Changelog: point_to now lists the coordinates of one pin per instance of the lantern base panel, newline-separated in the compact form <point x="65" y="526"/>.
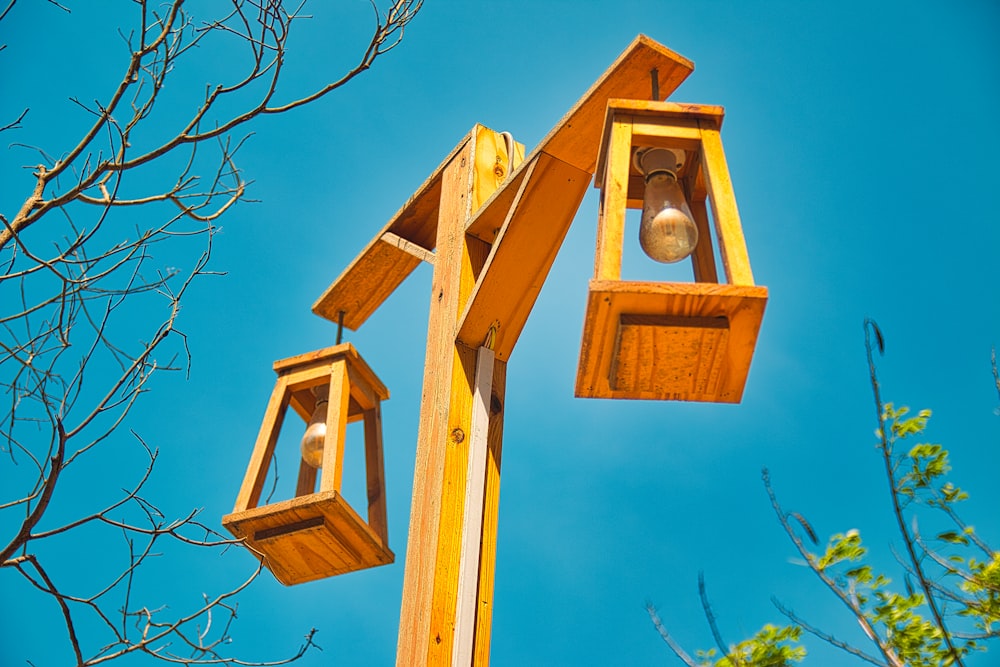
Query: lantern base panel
<point x="668" y="341"/>
<point x="310" y="537"/>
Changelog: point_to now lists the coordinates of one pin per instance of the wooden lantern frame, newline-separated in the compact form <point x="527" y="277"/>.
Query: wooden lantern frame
<point x="317" y="533"/>
<point x="659" y="340"/>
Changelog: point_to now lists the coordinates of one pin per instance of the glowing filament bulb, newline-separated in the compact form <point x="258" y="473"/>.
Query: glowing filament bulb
<point x="315" y="436"/>
<point x="667" y="232"/>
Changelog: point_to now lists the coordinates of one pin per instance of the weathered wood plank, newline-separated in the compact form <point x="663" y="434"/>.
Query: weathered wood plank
<point x="432" y="437"/>
<point x="491" y="517"/>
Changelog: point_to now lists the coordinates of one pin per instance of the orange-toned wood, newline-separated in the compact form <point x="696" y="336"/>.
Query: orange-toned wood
<point x="456" y="470"/>
<point x="493" y="165"/>
<point x="410" y="235"/>
<point x="310" y="537"/>
<point x="433" y="435"/>
<point x="522" y="255"/>
<point x="611" y="226"/>
<point x="690" y="306"/>
<point x="423" y="254"/>
<point x="381" y="267"/>
<point x="427" y="619"/>
<point x="732" y="245"/>
<point x="317" y="534"/>
<point x="375" y="471"/>
<point x="472" y="522"/>
<point x="306" y="481"/>
<point x="703" y="258"/>
<point x="489" y="220"/>
<point x="575" y="138"/>
<point x="253" y="480"/>
<point x="336" y="429"/>
<point x="441" y="633"/>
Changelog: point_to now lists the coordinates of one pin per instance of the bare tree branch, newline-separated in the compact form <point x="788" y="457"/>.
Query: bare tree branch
<point x="82" y="278"/>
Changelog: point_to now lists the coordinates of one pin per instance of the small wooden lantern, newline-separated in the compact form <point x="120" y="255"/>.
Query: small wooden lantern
<point x="658" y="340"/>
<point x="318" y="534"/>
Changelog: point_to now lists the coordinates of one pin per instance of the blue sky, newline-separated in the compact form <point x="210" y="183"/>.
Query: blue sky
<point x="862" y="146"/>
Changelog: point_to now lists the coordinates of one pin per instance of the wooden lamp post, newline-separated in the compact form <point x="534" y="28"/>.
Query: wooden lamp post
<point x="317" y="533"/>
<point x="658" y="340"/>
<point x="491" y="220"/>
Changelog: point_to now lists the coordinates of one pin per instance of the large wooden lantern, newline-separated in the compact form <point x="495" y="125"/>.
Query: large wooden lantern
<point x="668" y="340"/>
<point x="317" y="533"/>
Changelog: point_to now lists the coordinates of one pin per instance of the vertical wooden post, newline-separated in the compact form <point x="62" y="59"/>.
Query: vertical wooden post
<point x="433" y="436"/>
<point x="611" y="225"/>
<point x="732" y="245"/>
<point x="434" y="554"/>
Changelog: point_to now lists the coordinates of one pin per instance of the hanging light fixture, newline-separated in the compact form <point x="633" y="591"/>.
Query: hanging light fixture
<point x="667" y="232"/>
<point x="645" y="339"/>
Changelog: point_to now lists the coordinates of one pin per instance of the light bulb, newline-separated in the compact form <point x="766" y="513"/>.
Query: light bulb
<point x="315" y="436"/>
<point x="667" y="232"/>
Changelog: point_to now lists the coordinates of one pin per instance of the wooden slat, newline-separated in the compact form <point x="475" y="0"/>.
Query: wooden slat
<point x="253" y="481"/>
<point x="380" y="268"/>
<point x="522" y="255"/>
<point x="423" y="254"/>
<point x="703" y="259"/>
<point x="375" y="473"/>
<point x="729" y="231"/>
<point x="410" y="235"/>
<point x="472" y="523"/>
<point x="491" y="517"/>
<point x="309" y="537"/>
<point x="432" y="437"/>
<point x="611" y="225"/>
<point x="575" y="138"/>
<point x="742" y="305"/>
<point x="336" y="429"/>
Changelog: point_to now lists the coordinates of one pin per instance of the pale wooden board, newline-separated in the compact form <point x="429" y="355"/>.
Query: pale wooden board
<point x="472" y="523"/>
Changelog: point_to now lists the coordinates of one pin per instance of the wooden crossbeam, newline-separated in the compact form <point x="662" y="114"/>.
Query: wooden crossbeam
<point x="382" y="266"/>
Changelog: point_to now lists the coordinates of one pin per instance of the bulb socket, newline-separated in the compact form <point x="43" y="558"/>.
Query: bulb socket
<point x="651" y="161"/>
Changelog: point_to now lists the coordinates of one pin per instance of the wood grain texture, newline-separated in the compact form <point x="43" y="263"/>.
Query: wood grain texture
<point x="410" y="236"/>
<point x="732" y="245"/>
<point x="611" y="217"/>
<point x="428" y="478"/>
<point x="317" y="534"/>
<point x="375" y="472"/>
<point x="608" y="301"/>
<point x="522" y="254"/>
<point x="310" y="537"/>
